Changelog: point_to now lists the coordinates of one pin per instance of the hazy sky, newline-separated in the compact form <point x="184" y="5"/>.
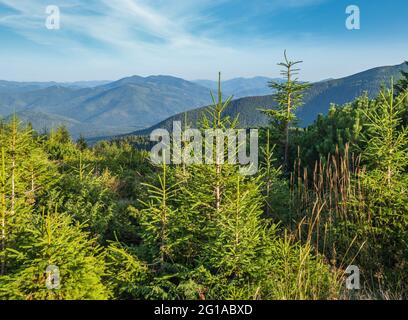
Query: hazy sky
<point x="194" y="39"/>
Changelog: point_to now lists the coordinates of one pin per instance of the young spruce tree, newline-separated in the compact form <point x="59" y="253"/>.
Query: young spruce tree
<point x="289" y="97"/>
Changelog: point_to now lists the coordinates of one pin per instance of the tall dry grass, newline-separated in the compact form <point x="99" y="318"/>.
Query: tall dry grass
<point x="329" y="210"/>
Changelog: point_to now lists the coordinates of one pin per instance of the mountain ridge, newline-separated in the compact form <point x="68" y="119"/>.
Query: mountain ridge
<point x="130" y="102"/>
<point x="135" y="104"/>
<point x="317" y="99"/>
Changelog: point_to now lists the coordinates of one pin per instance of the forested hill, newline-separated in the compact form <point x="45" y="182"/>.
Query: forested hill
<point x="116" y="107"/>
<point x="104" y="108"/>
<point x="317" y="99"/>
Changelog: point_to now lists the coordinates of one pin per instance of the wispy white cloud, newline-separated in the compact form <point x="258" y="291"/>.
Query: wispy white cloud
<point x="296" y="3"/>
<point x="102" y="39"/>
<point x="118" y="23"/>
<point x="134" y="32"/>
<point x="126" y="24"/>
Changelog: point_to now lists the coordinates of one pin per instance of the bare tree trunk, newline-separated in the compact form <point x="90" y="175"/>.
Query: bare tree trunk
<point x="3" y="214"/>
<point x="163" y="231"/>
<point x="13" y="183"/>
<point x="268" y="175"/>
<point x="218" y="189"/>
<point x="3" y="234"/>
<point x="286" y="159"/>
<point x="218" y="166"/>
<point x="288" y="111"/>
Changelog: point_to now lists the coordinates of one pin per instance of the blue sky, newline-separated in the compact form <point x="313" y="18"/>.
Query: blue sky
<point x="194" y="39"/>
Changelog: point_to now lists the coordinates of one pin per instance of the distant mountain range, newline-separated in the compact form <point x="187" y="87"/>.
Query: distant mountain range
<point x="140" y="104"/>
<point x="241" y="87"/>
<point x="14" y="86"/>
<point x="99" y="108"/>
<point x="317" y="99"/>
<point x="111" y="108"/>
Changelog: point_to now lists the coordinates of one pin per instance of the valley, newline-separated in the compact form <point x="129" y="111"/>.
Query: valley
<point x="136" y="105"/>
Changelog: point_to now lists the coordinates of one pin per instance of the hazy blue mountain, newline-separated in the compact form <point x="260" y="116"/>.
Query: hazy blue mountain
<point x="241" y="87"/>
<point x="340" y="91"/>
<point x="135" y="103"/>
<point x="117" y="107"/>
<point x="44" y="122"/>
<point x="317" y="99"/>
<point x="14" y="86"/>
<point x="84" y="84"/>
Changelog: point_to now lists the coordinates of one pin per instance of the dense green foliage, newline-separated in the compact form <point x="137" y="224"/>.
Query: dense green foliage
<point x="118" y="227"/>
